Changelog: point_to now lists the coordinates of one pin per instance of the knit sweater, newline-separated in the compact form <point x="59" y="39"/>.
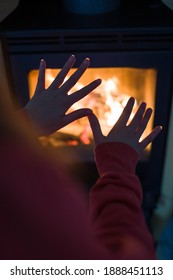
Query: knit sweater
<point x="115" y="204"/>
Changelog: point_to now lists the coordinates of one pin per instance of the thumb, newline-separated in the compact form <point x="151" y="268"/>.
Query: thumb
<point x="96" y="129"/>
<point x="149" y="139"/>
<point x="75" y="115"/>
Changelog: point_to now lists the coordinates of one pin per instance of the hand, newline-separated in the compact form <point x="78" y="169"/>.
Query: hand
<point x="129" y="134"/>
<point x="47" y="108"/>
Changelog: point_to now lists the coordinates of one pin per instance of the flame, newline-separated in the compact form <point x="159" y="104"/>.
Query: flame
<point x="115" y="101"/>
<point x="109" y="99"/>
<point x="107" y="104"/>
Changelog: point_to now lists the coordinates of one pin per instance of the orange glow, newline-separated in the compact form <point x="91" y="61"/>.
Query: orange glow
<point x="108" y="100"/>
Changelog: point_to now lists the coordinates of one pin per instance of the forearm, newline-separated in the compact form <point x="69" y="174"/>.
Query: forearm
<point x="115" y="204"/>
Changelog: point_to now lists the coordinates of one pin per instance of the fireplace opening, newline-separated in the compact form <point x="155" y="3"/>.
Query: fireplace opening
<point x="134" y="62"/>
<point x="107" y="101"/>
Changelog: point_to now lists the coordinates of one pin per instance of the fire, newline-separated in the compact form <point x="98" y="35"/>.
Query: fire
<point x="115" y="100"/>
<point x="107" y="101"/>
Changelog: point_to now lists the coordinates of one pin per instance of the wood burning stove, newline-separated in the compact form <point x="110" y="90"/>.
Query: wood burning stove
<point x="131" y="62"/>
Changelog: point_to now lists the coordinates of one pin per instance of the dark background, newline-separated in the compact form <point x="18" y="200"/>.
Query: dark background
<point x="31" y="14"/>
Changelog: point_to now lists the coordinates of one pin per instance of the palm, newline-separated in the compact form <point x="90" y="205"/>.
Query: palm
<point x="48" y="107"/>
<point x="129" y="134"/>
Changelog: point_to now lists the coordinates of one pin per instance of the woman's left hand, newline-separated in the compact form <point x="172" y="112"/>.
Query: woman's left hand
<point x="47" y="108"/>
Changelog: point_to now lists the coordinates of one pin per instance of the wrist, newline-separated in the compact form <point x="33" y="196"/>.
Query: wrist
<point x="115" y="155"/>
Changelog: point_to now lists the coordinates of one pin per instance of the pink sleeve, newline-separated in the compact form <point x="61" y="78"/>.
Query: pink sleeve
<point x="115" y="204"/>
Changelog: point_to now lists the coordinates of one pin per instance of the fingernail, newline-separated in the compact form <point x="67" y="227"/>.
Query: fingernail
<point x="131" y="100"/>
<point x="42" y="62"/>
<point x="72" y="57"/>
<point x="86" y="61"/>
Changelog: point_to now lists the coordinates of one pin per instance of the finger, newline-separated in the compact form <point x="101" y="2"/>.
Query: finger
<point x="96" y="129"/>
<point x="123" y="119"/>
<point x="76" y="76"/>
<point x="73" y="116"/>
<point x="144" y="123"/>
<point x="63" y="73"/>
<point x="147" y="140"/>
<point x="41" y="77"/>
<point x="138" y="116"/>
<point x="76" y="96"/>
